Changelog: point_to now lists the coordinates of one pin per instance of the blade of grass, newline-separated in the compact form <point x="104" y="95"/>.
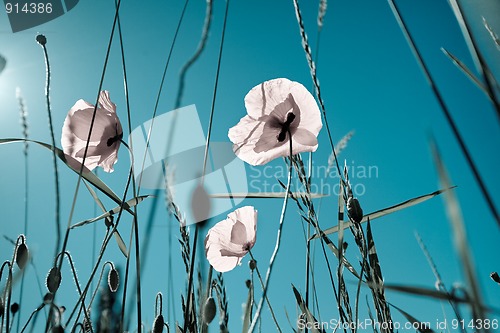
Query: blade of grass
<point x="69" y="161"/>
<point x="388" y="210"/>
<point x="311" y="321"/>
<point x="446" y="111"/>
<point x="466" y="71"/>
<point x="420" y="326"/>
<point x="459" y="235"/>
<point x="476" y="54"/>
<point x="263" y="195"/>
<point x="127" y="204"/>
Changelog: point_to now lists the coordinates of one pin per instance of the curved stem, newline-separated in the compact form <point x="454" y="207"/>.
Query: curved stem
<point x="32" y="315"/>
<point x="53" y="140"/>
<point x="77" y="188"/>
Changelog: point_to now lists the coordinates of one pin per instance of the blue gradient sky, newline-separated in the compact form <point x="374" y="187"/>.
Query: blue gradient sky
<point x="370" y="83"/>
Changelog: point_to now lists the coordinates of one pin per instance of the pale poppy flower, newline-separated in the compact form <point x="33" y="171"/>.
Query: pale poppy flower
<point x="106" y="133"/>
<point x="276" y="109"/>
<point x="229" y="241"/>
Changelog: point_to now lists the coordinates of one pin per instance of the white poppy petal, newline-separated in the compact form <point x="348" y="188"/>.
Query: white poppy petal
<point x="268" y="105"/>
<point x="105" y="138"/>
<point x="105" y="101"/>
<point x="228" y="241"/>
<point x="304" y="137"/>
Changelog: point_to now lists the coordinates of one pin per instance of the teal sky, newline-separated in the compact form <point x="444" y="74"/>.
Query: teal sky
<point x="370" y="82"/>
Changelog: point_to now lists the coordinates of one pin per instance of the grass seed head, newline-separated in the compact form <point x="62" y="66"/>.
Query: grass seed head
<point x="354" y="209"/>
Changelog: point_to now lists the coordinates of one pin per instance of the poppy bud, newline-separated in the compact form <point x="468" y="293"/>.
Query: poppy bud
<point x="200" y="204"/>
<point x="158" y="324"/>
<point x="252" y="264"/>
<point x="41" y="39"/>
<point x="14" y="307"/>
<point x="113" y="280"/>
<point x="209" y="310"/>
<point x="494" y="276"/>
<point x="354" y="209"/>
<point x="53" y="280"/>
<point x="47" y="298"/>
<point x="22" y="255"/>
<point x="57" y="329"/>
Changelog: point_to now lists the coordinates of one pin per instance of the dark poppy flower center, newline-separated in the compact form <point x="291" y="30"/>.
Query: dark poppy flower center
<point x="285" y="127"/>
<point x="114" y="139"/>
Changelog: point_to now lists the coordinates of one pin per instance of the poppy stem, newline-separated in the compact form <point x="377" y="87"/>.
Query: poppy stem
<point x="262" y="285"/>
<point x="125" y="145"/>
<point x="53" y="140"/>
<point x="278" y="240"/>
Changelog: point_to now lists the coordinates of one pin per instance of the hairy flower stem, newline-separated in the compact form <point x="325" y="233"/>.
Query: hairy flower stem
<point x="53" y="141"/>
<point x="278" y="241"/>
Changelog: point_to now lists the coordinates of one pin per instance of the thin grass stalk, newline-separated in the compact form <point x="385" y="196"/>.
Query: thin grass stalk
<point x="439" y="281"/>
<point x="493" y="35"/>
<point x="35" y="312"/>
<point x="278" y="241"/>
<point x="135" y="228"/>
<point x="160" y="89"/>
<point x="188" y="312"/>
<point x="149" y="225"/>
<point x="460" y="239"/>
<point x="460" y="65"/>
<point x="107" y="239"/>
<point x="315" y="223"/>
<point x="53" y="140"/>
<point x="209" y="131"/>
<point x="312" y="68"/>
<point x="7" y="293"/>
<point x="446" y="112"/>
<point x="24" y="123"/>
<point x="214" y="96"/>
<point x="180" y="92"/>
<point x="150" y="220"/>
<point x="77" y="283"/>
<point x="481" y="64"/>
<point x="77" y="188"/>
